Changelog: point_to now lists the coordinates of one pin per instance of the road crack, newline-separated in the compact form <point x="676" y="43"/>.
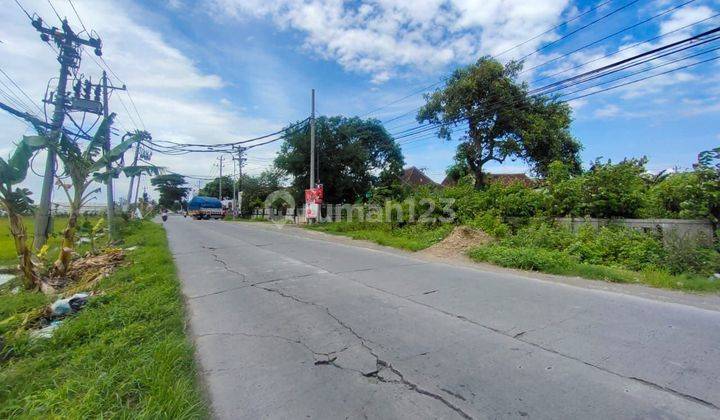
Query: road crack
<point x="380" y="363"/>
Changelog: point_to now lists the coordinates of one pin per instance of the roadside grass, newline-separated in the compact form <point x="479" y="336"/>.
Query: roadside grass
<point x="125" y="355"/>
<point x="410" y="237"/>
<point x="7" y="245"/>
<point x="558" y="262"/>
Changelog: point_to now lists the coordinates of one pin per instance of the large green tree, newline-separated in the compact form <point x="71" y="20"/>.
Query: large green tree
<point x="355" y="155"/>
<point x="171" y="189"/>
<point x="211" y="188"/>
<point x="501" y="119"/>
<point x="256" y="188"/>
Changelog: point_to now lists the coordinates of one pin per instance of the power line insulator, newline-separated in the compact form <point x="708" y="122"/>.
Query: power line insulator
<point x="77" y="88"/>
<point x="87" y="89"/>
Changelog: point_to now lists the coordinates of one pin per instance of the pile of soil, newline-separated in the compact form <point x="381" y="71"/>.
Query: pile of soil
<point x="458" y="242"/>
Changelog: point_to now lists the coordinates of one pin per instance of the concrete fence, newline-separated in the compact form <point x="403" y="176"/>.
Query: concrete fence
<point x="687" y="229"/>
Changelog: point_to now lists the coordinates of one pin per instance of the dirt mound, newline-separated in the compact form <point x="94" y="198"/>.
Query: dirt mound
<point x="460" y="240"/>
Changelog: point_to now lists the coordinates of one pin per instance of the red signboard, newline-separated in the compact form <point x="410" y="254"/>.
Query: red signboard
<point x="314" y="195"/>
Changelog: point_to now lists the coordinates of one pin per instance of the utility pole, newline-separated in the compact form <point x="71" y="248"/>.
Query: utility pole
<point x="220" y="179"/>
<point x="312" y="140"/>
<point x="110" y="196"/>
<point x="137" y="190"/>
<point x="69" y="58"/>
<point x="132" y="178"/>
<point x="237" y="204"/>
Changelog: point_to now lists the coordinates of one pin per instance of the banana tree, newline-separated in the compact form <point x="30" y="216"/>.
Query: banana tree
<point x="18" y="202"/>
<point x="83" y="168"/>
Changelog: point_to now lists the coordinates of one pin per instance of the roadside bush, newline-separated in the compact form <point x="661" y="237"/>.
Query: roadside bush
<point x="491" y="223"/>
<point x="677" y="196"/>
<point x="537" y="259"/>
<point x="540" y="234"/>
<point x="687" y="255"/>
<point x="619" y="246"/>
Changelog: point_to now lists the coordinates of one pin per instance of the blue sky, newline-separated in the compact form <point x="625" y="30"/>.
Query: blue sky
<point x="218" y="70"/>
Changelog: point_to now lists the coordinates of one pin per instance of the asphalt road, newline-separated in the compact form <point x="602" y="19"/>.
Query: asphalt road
<point x="290" y="325"/>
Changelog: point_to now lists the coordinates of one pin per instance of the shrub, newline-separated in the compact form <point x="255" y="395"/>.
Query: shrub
<point x="491" y="223"/>
<point x="620" y="246"/>
<point x="541" y="234"/>
<point x="677" y="196"/>
<point x="690" y="255"/>
<point x="537" y="259"/>
<point x="610" y="190"/>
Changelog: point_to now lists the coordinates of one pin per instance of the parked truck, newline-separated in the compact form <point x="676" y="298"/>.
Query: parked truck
<point x="200" y="207"/>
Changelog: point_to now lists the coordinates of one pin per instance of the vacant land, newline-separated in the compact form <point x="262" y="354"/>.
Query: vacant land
<point x="418" y="237"/>
<point x="125" y="355"/>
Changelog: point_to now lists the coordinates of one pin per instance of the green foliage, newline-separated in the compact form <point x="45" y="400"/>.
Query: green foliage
<point x="491" y="223"/>
<point x="708" y="169"/>
<point x="125" y="355"/>
<point x="355" y="155"/>
<point x="533" y="128"/>
<point x="171" y="189"/>
<point x="212" y="188"/>
<point x="256" y="188"/>
<point x="558" y="262"/>
<point x="690" y="255"/>
<point x="537" y="259"/>
<point x="610" y="190"/>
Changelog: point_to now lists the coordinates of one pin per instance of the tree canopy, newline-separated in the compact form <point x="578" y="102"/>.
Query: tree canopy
<point x="503" y="120"/>
<point x="355" y="155"/>
<point x="212" y="188"/>
<point x="171" y="189"/>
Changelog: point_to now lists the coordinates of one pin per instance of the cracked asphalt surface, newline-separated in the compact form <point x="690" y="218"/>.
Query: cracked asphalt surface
<point x="288" y="325"/>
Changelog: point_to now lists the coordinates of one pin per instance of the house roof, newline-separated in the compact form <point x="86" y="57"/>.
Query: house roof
<point x="415" y="177"/>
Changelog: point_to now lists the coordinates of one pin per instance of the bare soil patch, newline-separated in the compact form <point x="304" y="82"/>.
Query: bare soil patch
<point x="457" y="243"/>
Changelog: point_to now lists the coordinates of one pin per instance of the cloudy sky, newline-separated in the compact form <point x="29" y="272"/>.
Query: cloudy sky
<point x="214" y="71"/>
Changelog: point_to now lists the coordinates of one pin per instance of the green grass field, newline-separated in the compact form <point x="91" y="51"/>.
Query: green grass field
<point x="125" y="355"/>
<point x="7" y="245"/>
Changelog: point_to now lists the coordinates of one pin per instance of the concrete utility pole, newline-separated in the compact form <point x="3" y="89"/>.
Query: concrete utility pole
<point x="137" y="190"/>
<point x="237" y="205"/>
<point x="110" y="195"/>
<point x="132" y="178"/>
<point x="69" y="58"/>
<point x="220" y="179"/>
<point x="312" y="140"/>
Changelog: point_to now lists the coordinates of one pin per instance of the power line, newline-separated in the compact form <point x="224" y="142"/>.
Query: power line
<point x="574" y="80"/>
<point x="694" y="41"/>
<point x="645" y="78"/>
<point x="554" y="28"/>
<point x="646" y="41"/>
<point x="510" y="49"/>
<point x="605" y="38"/>
<point x="78" y="16"/>
<point x="21" y="90"/>
<point x="607" y="15"/>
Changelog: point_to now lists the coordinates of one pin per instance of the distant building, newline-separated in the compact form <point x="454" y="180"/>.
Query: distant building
<point x="414" y="177"/>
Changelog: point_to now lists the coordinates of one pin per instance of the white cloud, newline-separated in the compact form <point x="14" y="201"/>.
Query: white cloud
<point x="383" y="37"/>
<point x="607" y="111"/>
<point x="168" y="88"/>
